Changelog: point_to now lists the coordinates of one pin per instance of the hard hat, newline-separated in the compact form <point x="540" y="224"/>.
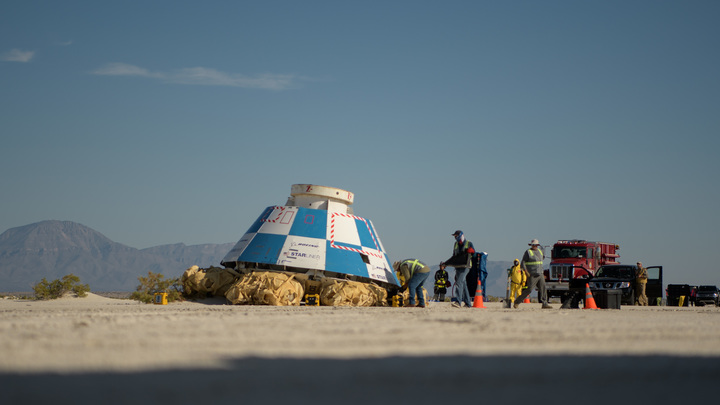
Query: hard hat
<point x="534" y="242"/>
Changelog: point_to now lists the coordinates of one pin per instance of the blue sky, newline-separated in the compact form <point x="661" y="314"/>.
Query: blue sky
<point x="169" y="121"/>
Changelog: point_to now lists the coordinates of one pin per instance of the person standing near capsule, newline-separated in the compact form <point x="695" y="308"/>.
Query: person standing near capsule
<point x="517" y="280"/>
<point x="461" y="260"/>
<point x="441" y="285"/>
<point x="641" y="278"/>
<point x="532" y="265"/>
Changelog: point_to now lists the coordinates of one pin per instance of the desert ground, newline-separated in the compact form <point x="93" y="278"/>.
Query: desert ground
<point x="114" y="351"/>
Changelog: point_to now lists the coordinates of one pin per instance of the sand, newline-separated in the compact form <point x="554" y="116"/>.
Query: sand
<point x="120" y="351"/>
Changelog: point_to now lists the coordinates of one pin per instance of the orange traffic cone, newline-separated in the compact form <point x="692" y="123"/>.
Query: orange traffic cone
<point x="589" y="300"/>
<point x="527" y="299"/>
<point x="478" y="301"/>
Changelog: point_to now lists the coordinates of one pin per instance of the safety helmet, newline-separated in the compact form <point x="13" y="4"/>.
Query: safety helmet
<point x="534" y="242"/>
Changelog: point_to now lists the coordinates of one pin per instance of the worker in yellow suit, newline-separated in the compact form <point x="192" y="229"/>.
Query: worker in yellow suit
<point x="517" y="280"/>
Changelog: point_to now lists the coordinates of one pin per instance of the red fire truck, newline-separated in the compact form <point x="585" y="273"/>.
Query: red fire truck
<point x="576" y="258"/>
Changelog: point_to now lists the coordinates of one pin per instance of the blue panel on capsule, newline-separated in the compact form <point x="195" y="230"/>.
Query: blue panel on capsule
<point x="344" y="261"/>
<point x="310" y="223"/>
<point x="264" y="248"/>
<point x="366" y="238"/>
<point x="259" y="222"/>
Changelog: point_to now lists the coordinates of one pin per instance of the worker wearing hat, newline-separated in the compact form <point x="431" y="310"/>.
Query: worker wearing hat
<point x="532" y="265"/>
<point x="461" y="260"/>
<point x="641" y="278"/>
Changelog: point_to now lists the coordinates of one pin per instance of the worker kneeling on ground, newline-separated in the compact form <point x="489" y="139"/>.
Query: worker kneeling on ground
<point x="415" y="273"/>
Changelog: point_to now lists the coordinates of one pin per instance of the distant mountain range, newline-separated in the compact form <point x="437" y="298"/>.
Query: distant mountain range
<point x="53" y="249"/>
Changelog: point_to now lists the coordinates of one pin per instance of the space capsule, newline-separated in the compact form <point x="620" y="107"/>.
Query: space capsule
<point x="316" y="233"/>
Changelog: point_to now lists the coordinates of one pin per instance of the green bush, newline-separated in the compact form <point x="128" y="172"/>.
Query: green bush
<point x="156" y="283"/>
<point x="45" y="290"/>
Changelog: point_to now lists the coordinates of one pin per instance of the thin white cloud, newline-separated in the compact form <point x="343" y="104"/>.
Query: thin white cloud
<point x="123" y="69"/>
<point x="66" y="43"/>
<point x="203" y="77"/>
<point x="16" y="55"/>
<point x="212" y="77"/>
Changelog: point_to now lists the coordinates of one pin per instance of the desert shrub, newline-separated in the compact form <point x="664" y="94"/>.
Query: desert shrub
<point x="48" y="290"/>
<point x="157" y="283"/>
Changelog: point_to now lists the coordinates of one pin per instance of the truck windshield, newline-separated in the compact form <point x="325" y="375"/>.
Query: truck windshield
<point x="567" y="252"/>
<point x="707" y="288"/>
<point x="616" y="272"/>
